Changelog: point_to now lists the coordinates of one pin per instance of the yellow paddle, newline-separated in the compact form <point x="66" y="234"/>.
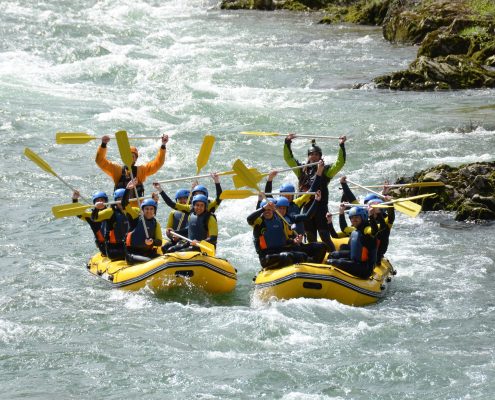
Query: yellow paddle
<point x="256" y="133"/>
<point x="82" y="138"/>
<point x="250" y="181"/>
<point x="405" y="185"/>
<point x="243" y="194"/>
<point x="204" y="152"/>
<point x="239" y="182"/>
<point x="201" y="161"/>
<point x="126" y="156"/>
<point x="75" y="209"/>
<point x="46" y="167"/>
<point x="404" y="206"/>
<point x="208" y="248"/>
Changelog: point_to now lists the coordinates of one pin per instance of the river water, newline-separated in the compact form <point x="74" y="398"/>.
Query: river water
<point x="187" y="68"/>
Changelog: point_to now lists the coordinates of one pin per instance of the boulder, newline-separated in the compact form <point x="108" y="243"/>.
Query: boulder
<point x="469" y="190"/>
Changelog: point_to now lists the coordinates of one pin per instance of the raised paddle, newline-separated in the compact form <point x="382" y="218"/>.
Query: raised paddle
<point x="206" y="246"/>
<point x="256" y="133"/>
<point x="126" y="156"/>
<point x="46" y="167"/>
<point x="405" y="185"/>
<point x="204" y="152"/>
<point x="75" y="209"/>
<point x="238" y="182"/>
<point x="201" y="161"/>
<point x="250" y="181"/>
<point x="404" y="206"/>
<point x="82" y="138"/>
<point x="243" y="194"/>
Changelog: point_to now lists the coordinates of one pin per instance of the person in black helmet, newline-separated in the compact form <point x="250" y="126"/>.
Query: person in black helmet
<point x="306" y="176"/>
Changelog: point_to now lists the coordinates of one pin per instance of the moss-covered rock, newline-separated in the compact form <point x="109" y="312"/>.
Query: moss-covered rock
<point x="469" y="190"/>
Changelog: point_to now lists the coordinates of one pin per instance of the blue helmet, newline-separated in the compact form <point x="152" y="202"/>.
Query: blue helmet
<point x="282" y="202"/>
<point x="360" y="212"/>
<point x="200" y="197"/>
<point x="149" y="202"/>
<point x="118" y="194"/>
<point x="375" y="201"/>
<point x="370" y="197"/>
<point x="200" y="188"/>
<point x="264" y="202"/>
<point x="181" y="193"/>
<point x="100" y="195"/>
<point x="287" y="187"/>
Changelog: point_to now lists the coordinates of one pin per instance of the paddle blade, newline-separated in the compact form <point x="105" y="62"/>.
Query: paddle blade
<point x="255" y="133"/>
<point x="207" y="247"/>
<point x="236" y="194"/>
<point x="124" y="148"/>
<point x="249" y="179"/>
<point x="409" y="208"/>
<point x="204" y="152"/>
<point x="240" y="182"/>
<point x="73" y="138"/>
<point x="69" y="210"/>
<point x="38" y="161"/>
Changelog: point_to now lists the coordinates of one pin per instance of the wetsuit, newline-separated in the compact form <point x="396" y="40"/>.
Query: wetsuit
<point x="274" y="243"/>
<point x="361" y="258"/>
<point x="121" y="176"/>
<point x="115" y="226"/>
<point x="305" y="177"/>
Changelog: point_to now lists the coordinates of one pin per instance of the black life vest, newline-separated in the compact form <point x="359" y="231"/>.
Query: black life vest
<point x="115" y="229"/>
<point x="125" y="178"/>
<point x="271" y="234"/>
<point x="136" y="238"/>
<point x="197" y="228"/>
<point x="363" y="247"/>
<point x="178" y="217"/>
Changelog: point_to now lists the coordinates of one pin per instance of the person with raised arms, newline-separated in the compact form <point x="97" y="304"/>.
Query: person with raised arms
<point x="296" y="204"/>
<point x="121" y="175"/>
<point x="145" y="237"/>
<point x="307" y="175"/>
<point x="98" y="197"/>
<point x="201" y="226"/>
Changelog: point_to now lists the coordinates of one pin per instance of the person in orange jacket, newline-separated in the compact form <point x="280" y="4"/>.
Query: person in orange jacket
<point x="120" y="174"/>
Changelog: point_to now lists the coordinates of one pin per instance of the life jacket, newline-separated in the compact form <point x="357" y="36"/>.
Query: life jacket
<point x="306" y="178"/>
<point x="137" y="236"/>
<point x="115" y="229"/>
<point x="125" y="178"/>
<point x="363" y="247"/>
<point x="197" y="228"/>
<point x="178" y="217"/>
<point x="272" y="234"/>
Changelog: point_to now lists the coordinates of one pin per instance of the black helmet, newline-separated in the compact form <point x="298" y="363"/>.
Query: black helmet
<point x="314" y="148"/>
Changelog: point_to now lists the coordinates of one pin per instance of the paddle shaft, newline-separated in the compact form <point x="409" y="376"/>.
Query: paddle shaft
<point x="190" y="241"/>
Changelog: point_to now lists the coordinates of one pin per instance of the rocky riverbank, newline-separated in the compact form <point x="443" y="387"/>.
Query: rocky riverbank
<point x="469" y="190"/>
<point x="456" y="38"/>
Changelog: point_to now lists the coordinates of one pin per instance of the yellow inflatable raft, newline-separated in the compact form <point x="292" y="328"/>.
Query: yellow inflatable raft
<point x="211" y="274"/>
<point x="324" y="282"/>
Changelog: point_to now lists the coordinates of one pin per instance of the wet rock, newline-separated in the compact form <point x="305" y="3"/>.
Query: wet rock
<point x="469" y="190"/>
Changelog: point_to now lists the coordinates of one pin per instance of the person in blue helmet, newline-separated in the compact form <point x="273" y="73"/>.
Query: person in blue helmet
<point x="384" y="218"/>
<point x="177" y="220"/>
<point x="115" y="226"/>
<point x="360" y="259"/>
<point x="201" y="225"/>
<point x="306" y="176"/>
<point x="98" y="197"/>
<point x="197" y="189"/>
<point x="142" y="243"/>
<point x="286" y="190"/>
<point x="276" y="244"/>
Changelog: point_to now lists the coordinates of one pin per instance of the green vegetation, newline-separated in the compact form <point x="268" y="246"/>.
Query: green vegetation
<point x="485" y="8"/>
